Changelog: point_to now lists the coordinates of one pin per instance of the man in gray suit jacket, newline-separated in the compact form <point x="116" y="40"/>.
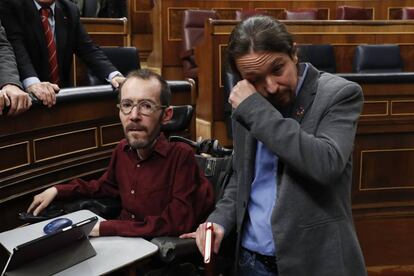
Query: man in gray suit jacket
<point x="294" y="128"/>
<point x="11" y="94"/>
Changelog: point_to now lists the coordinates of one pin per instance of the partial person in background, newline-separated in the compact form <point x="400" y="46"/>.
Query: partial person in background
<point x="289" y="197"/>
<point x="112" y="8"/>
<point x="162" y="189"/>
<point x="80" y="4"/>
<point x="11" y="94"/>
<point x="45" y="34"/>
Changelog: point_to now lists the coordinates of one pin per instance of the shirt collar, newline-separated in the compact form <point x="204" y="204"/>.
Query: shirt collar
<point x="161" y="146"/>
<point x="52" y="6"/>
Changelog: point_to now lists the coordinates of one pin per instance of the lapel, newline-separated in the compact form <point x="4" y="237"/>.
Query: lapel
<point x="249" y="159"/>
<point x="34" y="20"/>
<point x="306" y="95"/>
<point x="61" y="22"/>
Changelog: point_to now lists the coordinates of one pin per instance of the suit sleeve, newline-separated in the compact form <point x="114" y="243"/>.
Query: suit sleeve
<point x="90" y="53"/>
<point x="224" y="213"/>
<point x="192" y="195"/>
<point x="8" y="66"/>
<point x="9" y="18"/>
<point x="321" y="156"/>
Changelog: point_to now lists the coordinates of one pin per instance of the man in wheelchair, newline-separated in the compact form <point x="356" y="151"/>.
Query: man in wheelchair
<point x="161" y="188"/>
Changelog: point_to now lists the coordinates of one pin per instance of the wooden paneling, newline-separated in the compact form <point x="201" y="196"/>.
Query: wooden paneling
<point x="387" y="240"/>
<point x="167" y="22"/>
<point x="18" y="156"/>
<point x="398" y="158"/>
<point x="64" y="144"/>
<point x="43" y="146"/>
<point x="375" y="108"/>
<point x="140" y="17"/>
<point x="343" y="35"/>
<point x="104" y="32"/>
<point x="108" y="31"/>
<point x="111" y="134"/>
<point x="383" y="186"/>
<point x="402" y="107"/>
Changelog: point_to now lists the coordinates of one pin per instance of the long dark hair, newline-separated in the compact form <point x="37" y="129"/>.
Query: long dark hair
<point x="258" y="34"/>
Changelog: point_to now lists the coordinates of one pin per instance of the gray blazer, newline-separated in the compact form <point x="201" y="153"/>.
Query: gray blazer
<point x="8" y="66"/>
<point x="312" y="220"/>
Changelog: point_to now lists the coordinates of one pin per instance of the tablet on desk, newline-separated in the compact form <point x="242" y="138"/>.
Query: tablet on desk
<point x="50" y="253"/>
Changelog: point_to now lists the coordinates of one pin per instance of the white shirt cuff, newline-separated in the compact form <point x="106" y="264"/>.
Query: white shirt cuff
<point x="29" y="81"/>
<point x="113" y="74"/>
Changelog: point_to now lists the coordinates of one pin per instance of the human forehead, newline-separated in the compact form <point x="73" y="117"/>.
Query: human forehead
<point x="259" y="61"/>
<point x="141" y="89"/>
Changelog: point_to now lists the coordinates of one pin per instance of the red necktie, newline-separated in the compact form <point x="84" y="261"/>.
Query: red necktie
<point x="51" y="46"/>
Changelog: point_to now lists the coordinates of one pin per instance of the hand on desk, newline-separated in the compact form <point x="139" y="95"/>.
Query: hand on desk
<point x="200" y="237"/>
<point x="45" y="92"/>
<point x="42" y="200"/>
<point x="18" y="100"/>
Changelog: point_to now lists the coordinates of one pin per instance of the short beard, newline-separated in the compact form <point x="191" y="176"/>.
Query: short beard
<point x="285" y="104"/>
<point x="141" y="144"/>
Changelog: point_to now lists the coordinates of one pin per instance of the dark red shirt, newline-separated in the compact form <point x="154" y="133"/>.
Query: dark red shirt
<point x="166" y="194"/>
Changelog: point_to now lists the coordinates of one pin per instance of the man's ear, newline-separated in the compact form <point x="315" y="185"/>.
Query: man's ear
<point x="167" y="116"/>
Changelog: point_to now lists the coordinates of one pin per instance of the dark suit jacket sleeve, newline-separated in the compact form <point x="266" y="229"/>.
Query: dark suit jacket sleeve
<point x="8" y="66"/>
<point x="90" y="53"/>
<point x="9" y="18"/>
<point x="225" y="211"/>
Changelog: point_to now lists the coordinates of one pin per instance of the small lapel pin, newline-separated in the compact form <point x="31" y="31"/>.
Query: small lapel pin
<point x="300" y="111"/>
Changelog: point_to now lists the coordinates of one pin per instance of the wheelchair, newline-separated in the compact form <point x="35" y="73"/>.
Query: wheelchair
<point x="175" y="256"/>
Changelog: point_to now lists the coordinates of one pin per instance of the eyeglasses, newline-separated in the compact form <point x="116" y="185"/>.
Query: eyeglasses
<point x="144" y="107"/>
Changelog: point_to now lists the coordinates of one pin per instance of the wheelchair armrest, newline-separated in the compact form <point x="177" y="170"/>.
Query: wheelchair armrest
<point x="173" y="248"/>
